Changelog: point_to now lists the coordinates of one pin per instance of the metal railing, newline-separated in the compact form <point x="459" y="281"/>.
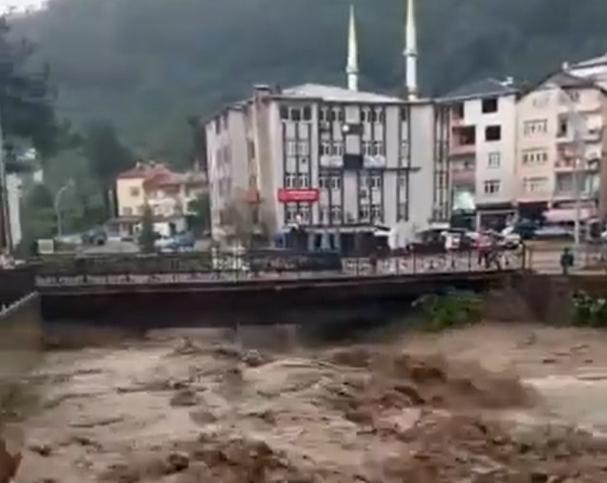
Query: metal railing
<point x="244" y="268"/>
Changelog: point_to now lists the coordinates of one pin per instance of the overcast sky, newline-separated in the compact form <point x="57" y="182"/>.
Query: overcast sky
<point x="21" y="4"/>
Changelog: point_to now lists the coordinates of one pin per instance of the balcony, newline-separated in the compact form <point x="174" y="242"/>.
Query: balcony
<point x="331" y="161"/>
<point x="371" y="162"/>
<point x="463" y="176"/>
<point x="462" y="150"/>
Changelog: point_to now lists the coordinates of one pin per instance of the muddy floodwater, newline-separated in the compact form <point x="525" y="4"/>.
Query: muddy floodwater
<point x="490" y="403"/>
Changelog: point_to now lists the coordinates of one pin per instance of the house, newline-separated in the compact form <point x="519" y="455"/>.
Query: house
<point x="167" y="193"/>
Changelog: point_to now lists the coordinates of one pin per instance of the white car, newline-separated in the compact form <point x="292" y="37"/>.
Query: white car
<point x="510" y="239"/>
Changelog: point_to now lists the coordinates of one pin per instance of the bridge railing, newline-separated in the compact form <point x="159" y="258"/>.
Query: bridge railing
<point x="259" y="267"/>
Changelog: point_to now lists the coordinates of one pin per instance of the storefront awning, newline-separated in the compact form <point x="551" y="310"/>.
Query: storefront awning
<point x="567" y="215"/>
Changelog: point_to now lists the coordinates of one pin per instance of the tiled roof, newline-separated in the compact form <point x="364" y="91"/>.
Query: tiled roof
<point x="481" y="88"/>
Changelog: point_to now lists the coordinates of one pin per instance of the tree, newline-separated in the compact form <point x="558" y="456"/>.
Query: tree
<point x="200" y="218"/>
<point x="106" y="155"/>
<point x="147" y="235"/>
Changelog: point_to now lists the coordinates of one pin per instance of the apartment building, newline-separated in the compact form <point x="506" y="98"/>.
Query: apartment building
<point x="167" y="193"/>
<point x="340" y="167"/>
<point x="561" y="131"/>
<point x="343" y="165"/>
<point x="482" y="147"/>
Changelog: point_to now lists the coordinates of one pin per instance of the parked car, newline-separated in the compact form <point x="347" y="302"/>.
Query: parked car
<point x="553" y="232"/>
<point x="95" y="236"/>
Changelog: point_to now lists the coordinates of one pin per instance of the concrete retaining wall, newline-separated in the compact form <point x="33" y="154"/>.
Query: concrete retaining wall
<point x="21" y="344"/>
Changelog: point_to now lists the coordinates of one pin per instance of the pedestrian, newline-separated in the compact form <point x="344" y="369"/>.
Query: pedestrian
<point x="567" y="260"/>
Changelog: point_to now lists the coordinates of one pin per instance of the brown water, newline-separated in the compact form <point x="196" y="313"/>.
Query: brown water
<point x="205" y="405"/>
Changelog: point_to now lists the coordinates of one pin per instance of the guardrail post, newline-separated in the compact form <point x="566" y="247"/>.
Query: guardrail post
<point x="414" y="263"/>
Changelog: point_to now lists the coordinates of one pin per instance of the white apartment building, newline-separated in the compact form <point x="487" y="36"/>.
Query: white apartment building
<point x="547" y="151"/>
<point x="482" y="150"/>
<point x="343" y="165"/>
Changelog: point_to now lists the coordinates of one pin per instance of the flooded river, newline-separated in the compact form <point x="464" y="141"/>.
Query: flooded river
<point x="496" y="401"/>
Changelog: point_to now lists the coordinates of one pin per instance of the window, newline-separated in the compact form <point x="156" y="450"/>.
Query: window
<point x="304" y="213"/>
<point x="490" y="105"/>
<point x="493" y="133"/>
<point x="569" y="96"/>
<point x="323" y="182"/>
<point x="324" y="214"/>
<point x="323" y="115"/>
<point x="465" y="136"/>
<point x="291" y="213"/>
<point x="534" y="157"/>
<point x="295" y="114"/>
<point x="336" y="214"/>
<point x="404" y="114"/>
<point x="250" y="149"/>
<point x="535" y="185"/>
<point x="375" y="181"/>
<point x="364" y="213"/>
<point x="127" y="211"/>
<point x="307" y="113"/>
<point x="331" y="149"/>
<point x="495" y="160"/>
<point x="304" y="181"/>
<point x="290" y="181"/>
<point x="402" y="212"/>
<point x="458" y="110"/>
<point x="336" y="182"/>
<point x="492" y="186"/>
<point x="284" y="113"/>
<point x="376" y="213"/>
<point x="291" y="148"/>
<point x="564" y="183"/>
<point x="531" y="128"/>
<point x="303" y="148"/>
<point x="563" y="127"/>
<point x="402" y="180"/>
<point x="134" y="191"/>
<point x="303" y="162"/>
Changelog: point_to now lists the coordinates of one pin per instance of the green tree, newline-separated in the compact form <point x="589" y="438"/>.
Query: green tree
<point x="199" y="220"/>
<point x="147" y="235"/>
<point x="106" y="155"/>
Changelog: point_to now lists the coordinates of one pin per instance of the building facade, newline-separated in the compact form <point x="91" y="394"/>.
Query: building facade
<point x="167" y="193"/>
<point x="482" y="150"/>
<point x="343" y="165"/>
<point x="561" y="132"/>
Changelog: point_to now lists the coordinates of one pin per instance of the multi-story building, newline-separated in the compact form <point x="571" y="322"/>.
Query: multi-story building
<point x="482" y="148"/>
<point x="561" y="131"/>
<point x="341" y="165"/>
<point x="167" y="193"/>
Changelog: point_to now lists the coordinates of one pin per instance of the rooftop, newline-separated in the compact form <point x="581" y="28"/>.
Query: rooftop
<point x="592" y="62"/>
<point x="336" y="94"/>
<point x="489" y="87"/>
<point x="565" y="79"/>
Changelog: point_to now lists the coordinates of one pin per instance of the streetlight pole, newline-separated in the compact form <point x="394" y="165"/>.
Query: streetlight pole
<point x="57" y="205"/>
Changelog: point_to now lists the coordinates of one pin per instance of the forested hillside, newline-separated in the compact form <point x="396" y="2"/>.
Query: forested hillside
<point x="149" y="64"/>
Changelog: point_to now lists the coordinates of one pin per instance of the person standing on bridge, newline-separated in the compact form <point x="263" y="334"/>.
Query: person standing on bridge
<point x="567" y="260"/>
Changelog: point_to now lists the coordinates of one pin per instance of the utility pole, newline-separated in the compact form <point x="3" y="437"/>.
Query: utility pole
<point x="5" y="222"/>
<point x="57" y="204"/>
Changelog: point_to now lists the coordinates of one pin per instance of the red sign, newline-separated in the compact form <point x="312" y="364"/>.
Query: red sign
<point x="309" y="195"/>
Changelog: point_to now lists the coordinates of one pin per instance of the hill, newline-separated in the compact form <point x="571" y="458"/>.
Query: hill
<point x="149" y="64"/>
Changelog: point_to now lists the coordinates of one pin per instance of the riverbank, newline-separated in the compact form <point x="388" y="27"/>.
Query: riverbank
<point x="493" y="401"/>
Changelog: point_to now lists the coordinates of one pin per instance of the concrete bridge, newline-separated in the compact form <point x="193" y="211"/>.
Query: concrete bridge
<point x="146" y="286"/>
